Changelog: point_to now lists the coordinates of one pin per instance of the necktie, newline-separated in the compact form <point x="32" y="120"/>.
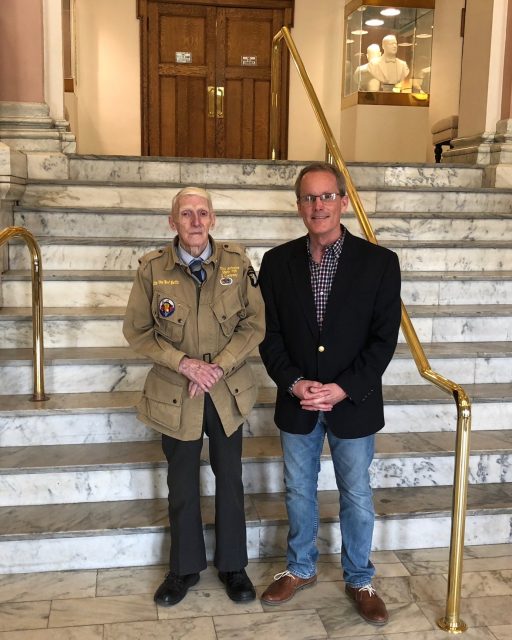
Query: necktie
<point x="196" y="267"/>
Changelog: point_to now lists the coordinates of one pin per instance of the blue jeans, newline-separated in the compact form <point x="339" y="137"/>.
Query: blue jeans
<point x="351" y="459"/>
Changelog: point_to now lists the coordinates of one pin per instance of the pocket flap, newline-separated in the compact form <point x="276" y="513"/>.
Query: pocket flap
<point x="156" y="388"/>
<point x="240" y="380"/>
<point x="227" y="305"/>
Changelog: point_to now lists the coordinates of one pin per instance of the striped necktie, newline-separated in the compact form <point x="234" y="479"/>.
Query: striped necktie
<point x="196" y="267"/>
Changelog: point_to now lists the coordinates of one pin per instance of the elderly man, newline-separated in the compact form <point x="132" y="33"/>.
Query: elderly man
<point x="332" y="306"/>
<point x="195" y="310"/>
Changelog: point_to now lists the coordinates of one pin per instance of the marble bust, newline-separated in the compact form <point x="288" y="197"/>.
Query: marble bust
<point x="363" y="79"/>
<point x="387" y="68"/>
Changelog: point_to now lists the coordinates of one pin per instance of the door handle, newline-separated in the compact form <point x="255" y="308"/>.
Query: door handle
<point x="211" y="102"/>
<point x="220" y="102"/>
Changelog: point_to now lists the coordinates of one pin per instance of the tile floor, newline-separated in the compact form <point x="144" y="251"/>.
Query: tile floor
<point x="117" y="604"/>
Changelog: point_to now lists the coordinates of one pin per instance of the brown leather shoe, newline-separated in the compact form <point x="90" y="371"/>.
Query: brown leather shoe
<point x="284" y="587"/>
<point x="368" y="604"/>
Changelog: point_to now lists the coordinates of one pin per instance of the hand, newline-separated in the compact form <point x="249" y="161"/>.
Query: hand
<point x="203" y="374"/>
<point x="315" y="396"/>
<point x="194" y="390"/>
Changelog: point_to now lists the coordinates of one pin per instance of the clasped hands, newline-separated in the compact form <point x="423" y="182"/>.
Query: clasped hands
<point x="201" y="375"/>
<point x="315" y="396"/>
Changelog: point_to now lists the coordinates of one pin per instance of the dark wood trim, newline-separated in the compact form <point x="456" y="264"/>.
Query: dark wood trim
<point x="384" y="98"/>
<point x="242" y="4"/>
<point x="69" y="85"/>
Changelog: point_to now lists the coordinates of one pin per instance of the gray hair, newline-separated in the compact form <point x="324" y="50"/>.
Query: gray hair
<point x="190" y="191"/>
<point x="321" y="167"/>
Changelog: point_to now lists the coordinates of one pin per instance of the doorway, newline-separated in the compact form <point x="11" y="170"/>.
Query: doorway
<point x="206" y="71"/>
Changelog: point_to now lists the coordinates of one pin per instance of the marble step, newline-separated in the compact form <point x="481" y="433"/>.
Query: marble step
<point x="156" y="196"/>
<point x="113" y="253"/>
<point x="104" y="288"/>
<point x="135" y="533"/>
<point x="136" y="169"/>
<point x="96" y="417"/>
<point x="97" y="369"/>
<point x="102" y="326"/>
<point x="266" y="225"/>
<point x="35" y="475"/>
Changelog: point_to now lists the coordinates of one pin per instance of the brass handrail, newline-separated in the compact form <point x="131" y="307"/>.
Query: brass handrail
<point x="451" y="621"/>
<point x="37" y="306"/>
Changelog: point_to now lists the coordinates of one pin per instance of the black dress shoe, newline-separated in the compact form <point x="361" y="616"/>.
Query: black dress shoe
<point x="174" y="588"/>
<point x="238" y="585"/>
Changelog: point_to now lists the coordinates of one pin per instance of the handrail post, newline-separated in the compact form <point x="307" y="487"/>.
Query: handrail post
<point x="451" y="622"/>
<point x="38" y="393"/>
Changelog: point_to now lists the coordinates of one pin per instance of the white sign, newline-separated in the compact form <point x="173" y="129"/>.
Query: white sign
<point x="183" y="57"/>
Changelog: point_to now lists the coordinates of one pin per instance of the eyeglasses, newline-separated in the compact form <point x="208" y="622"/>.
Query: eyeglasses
<point x="310" y="198"/>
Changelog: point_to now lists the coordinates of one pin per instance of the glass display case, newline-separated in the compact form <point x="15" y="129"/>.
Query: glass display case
<point x="388" y="50"/>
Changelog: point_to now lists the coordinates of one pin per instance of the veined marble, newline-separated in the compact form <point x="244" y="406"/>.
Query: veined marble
<point x="447" y="201"/>
<point x="281" y="225"/>
<point x="42" y="165"/>
<point x="76" y="293"/>
<point x="466" y="258"/>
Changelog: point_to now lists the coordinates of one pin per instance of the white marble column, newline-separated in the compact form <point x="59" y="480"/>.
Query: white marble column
<point x="31" y="91"/>
<point x="485" y="69"/>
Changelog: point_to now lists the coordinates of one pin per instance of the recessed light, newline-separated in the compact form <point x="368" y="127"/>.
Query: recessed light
<point x="374" y="22"/>
<point x="390" y="12"/>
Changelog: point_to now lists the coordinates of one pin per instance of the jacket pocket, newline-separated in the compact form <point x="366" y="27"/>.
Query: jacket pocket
<point x="170" y="317"/>
<point x="163" y="401"/>
<point x="243" y="388"/>
<point x="228" y="309"/>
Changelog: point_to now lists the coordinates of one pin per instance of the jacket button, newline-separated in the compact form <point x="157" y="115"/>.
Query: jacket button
<point x="236" y="390"/>
<point x="223" y="317"/>
<point x="180" y="320"/>
<point x="321" y="348"/>
<point x="174" y="401"/>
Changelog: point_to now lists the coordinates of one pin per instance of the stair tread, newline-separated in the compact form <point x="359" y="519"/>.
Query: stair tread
<point x="148" y="454"/>
<point x="249" y="242"/>
<point x="118" y="313"/>
<point x="128" y="275"/>
<point x="125" y="355"/>
<point x="150" y="516"/>
<point x="124" y="401"/>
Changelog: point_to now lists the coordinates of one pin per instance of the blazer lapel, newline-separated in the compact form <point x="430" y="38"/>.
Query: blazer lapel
<point x="301" y="280"/>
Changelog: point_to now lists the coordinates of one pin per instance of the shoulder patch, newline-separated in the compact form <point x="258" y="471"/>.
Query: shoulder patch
<point x="251" y="274"/>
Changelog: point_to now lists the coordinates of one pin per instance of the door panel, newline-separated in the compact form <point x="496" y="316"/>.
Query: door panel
<point x="206" y="73"/>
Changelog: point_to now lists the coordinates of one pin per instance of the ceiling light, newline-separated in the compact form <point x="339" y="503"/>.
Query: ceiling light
<point x="359" y="32"/>
<point x="390" y="12"/>
<point x="374" y="22"/>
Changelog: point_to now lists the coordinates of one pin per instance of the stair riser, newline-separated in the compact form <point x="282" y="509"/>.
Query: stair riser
<point x="98" y="257"/>
<point x="108" y="333"/>
<point x="145" y="197"/>
<point x="115" y="293"/>
<point x="257" y="226"/>
<point x="33" y="430"/>
<point x="117" y="170"/>
<point x="144" y="549"/>
<point x="23" y="489"/>
<point x="82" y="378"/>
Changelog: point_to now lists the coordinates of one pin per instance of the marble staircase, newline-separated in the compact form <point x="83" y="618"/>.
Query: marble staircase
<point x="83" y="483"/>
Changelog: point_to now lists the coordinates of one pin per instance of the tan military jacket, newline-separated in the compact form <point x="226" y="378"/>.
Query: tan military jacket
<point x="169" y="316"/>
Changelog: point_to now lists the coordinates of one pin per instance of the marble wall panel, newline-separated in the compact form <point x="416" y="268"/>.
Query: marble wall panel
<point x="75" y="293"/>
<point x="124" y="170"/>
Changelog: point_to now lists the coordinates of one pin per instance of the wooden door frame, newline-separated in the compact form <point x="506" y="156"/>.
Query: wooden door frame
<point x="143" y="16"/>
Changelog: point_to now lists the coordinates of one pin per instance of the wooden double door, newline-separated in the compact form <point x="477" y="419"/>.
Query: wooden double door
<point x="206" y="72"/>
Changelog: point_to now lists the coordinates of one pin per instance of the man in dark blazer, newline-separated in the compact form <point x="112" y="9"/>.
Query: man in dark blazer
<point x="332" y="314"/>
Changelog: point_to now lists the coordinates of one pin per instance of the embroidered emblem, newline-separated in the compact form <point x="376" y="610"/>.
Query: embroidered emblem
<point x="252" y="276"/>
<point x="166" y="307"/>
<point x="226" y="281"/>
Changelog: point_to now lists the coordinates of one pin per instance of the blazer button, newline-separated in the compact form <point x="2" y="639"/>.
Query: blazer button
<point x="321" y="348"/>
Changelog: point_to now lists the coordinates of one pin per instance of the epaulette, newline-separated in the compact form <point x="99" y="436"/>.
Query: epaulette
<point x="231" y="247"/>
<point x="152" y="255"/>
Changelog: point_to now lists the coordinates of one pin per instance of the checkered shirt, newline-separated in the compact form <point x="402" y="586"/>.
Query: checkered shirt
<point x="322" y="275"/>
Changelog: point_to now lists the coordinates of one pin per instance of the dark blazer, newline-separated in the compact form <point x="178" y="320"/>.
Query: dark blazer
<point x="355" y="345"/>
